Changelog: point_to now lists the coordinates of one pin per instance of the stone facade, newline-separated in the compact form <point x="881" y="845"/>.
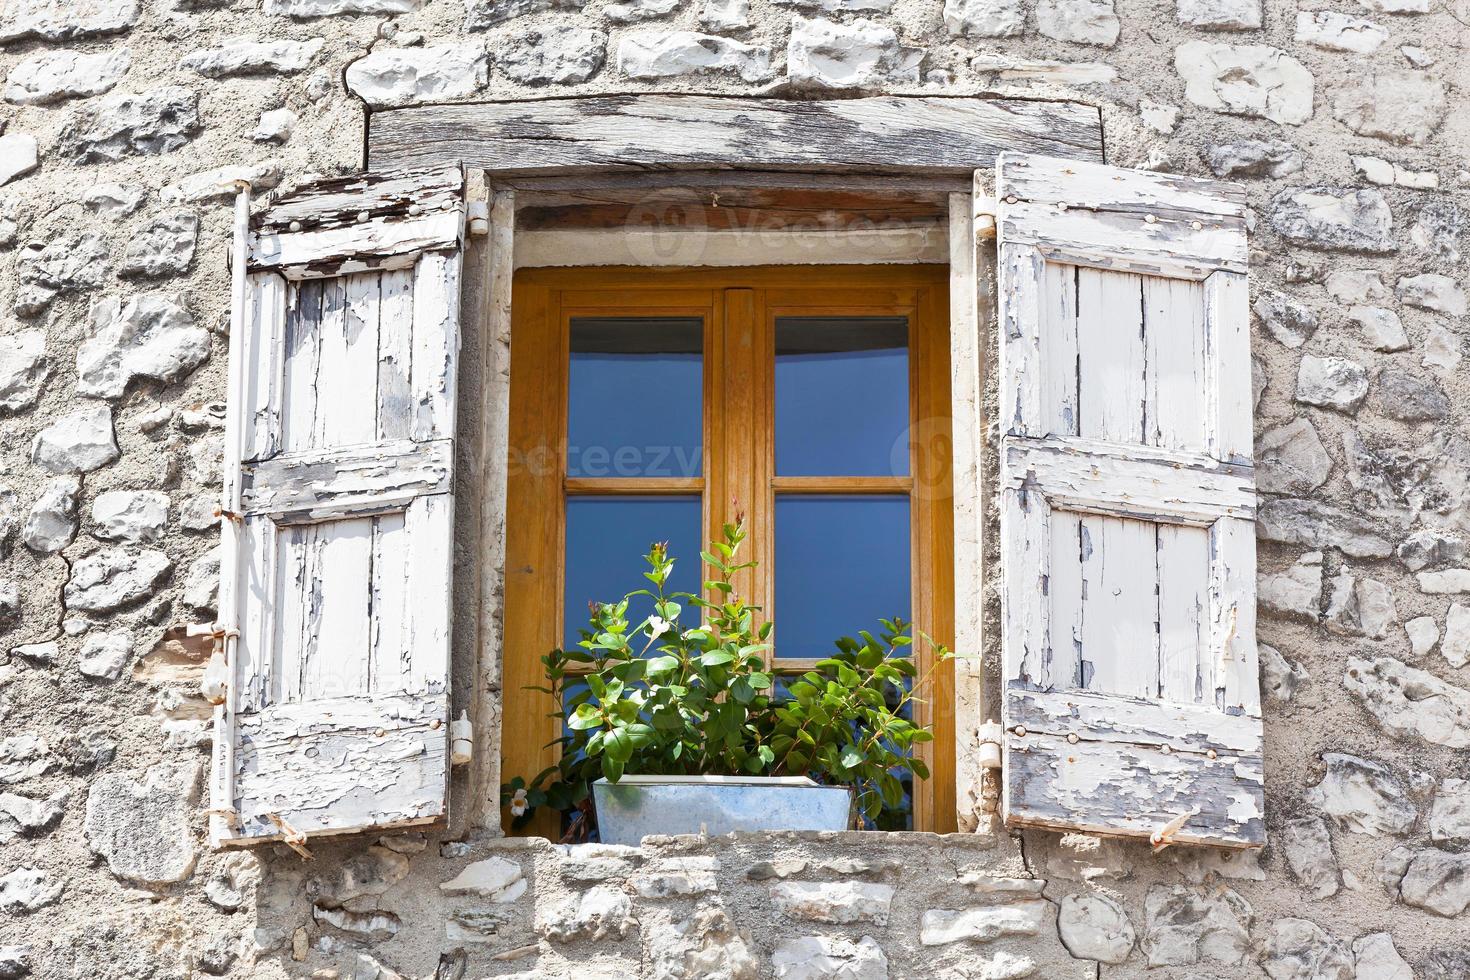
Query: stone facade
<point x="1350" y="129"/>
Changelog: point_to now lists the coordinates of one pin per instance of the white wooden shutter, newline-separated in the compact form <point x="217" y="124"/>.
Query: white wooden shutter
<point x="1131" y="697"/>
<point x="340" y="468"/>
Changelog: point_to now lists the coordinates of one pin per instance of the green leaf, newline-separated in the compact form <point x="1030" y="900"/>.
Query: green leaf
<point x="852" y="756"/>
<point x="586" y="716"/>
<point x="716" y="658"/>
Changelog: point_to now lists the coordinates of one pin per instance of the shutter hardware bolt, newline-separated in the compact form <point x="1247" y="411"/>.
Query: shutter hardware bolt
<point x="295" y="226"/>
<point x="1011" y="199"/>
<point x="381" y="732"/>
<point x="1020" y="731"/>
<point x="1072" y="737"/>
<point x="1151" y="219"/>
<point x="434" y="725"/>
<point x="1210" y="754"/>
<point x="1195" y="225"/>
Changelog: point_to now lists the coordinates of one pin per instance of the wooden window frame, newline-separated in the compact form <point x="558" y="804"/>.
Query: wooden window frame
<point x="739" y="307"/>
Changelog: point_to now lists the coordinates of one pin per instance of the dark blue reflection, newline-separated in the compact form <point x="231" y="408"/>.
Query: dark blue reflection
<point x="634" y="406"/>
<point x="842" y="563"/>
<point x="606" y="537"/>
<point x="842" y="396"/>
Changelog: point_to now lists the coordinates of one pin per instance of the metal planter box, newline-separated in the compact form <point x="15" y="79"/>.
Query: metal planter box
<point x="637" y="806"/>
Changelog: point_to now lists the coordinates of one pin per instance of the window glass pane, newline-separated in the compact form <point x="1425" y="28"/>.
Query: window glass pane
<point x="842" y="396"/>
<point x="634" y="403"/>
<point x="606" y="539"/>
<point x="842" y="563"/>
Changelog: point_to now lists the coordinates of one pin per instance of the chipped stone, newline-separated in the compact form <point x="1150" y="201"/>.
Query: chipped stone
<point x="633" y="11"/>
<point x="163" y="247"/>
<point x="1362" y="607"/>
<point x="113" y="200"/>
<point x="554" y="55"/>
<point x="1078" y="21"/>
<point x="1423" y="633"/>
<point x="363" y="874"/>
<point x="1438" y="882"/>
<point x="1187" y="926"/>
<point x="673" y="54"/>
<point x="1254" y="158"/>
<point x="1375" y="958"/>
<point x="1334" y="219"/>
<point x="244" y="57"/>
<point x="1357" y="286"/>
<point x="405" y="76"/>
<point x="984" y="18"/>
<point x="481" y="14"/>
<point x="1308" y="849"/>
<point x="1439" y="224"/>
<point x="983" y="923"/>
<point x="131" y="516"/>
<point x="26" y="889"/>
<point x="1298" y="949"/>
<point x="78" y="442"/>
<point x="1245" y="80"/>
<point x="494" y="878"/>
<point x="1441" y="349"/>
<point x="57" y="20"/>
<point x="104" y="656"/>
<point x="1094" y="927"/>
<point x="838" y="901"/>
<point x="1220" y="15"/>
<point x="1290" y="322"/>
<point x="1362" y="796"/>
<point x="1291" y="459"/>
<point x="1333" y="31"/>
<point x="1297" y="592"/>
<point x="1158" y="116"/>
<point x="1409" y="701"/>
<point x="114" y="577"/>
<point x="826" y="54"/>
<point x="23" y="368"/>
<point x="18" y="156"/>
<point x="598" y="913"/>
<point x="829" y="958"/>
<point x="123" y="124"/>
<point x="1432" y="291"/>
<point x="140" y="822"/>
<point x="276" y="126"/>
<point x="22" y="816"/>
<point x="152" y="336"/>
<point x="1382" y="329"/>
<point x="66" y="265"/>
<point x="1281" y="678"/>
<point x="1410" y="397"/>
<point x="1331" y="382"/>
<point x="725" y="15"/>
<point x="1456" y="645"/>
<point x="46" y="79"/>
<point x="1397" y="106"/>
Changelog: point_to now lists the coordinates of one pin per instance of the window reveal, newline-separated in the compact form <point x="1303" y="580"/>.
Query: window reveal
<point x="654" y="403"/>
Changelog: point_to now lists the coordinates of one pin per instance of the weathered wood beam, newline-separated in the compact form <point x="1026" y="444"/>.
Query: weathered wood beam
<point x="886" y="134"/>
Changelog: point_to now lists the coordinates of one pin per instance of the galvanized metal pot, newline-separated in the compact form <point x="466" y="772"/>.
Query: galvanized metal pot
<point x="637" y="806"/>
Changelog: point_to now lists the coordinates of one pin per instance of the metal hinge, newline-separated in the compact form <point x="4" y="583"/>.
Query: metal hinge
<point x="478" y="213"/>
<point x="985" y="212"/>
<point x="461" y="740"/>
<point x="990" y="735"/>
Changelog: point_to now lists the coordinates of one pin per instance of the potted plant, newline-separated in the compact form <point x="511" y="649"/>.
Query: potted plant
<point x="683" y="729"/>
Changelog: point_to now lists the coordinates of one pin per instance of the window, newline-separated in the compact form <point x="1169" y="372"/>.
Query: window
<point x="645" y="403"/>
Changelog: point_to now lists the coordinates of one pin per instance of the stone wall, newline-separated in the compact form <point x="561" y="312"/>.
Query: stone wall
<point x="1350" y="128"/>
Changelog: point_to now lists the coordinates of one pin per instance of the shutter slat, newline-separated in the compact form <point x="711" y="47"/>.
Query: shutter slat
<point x="341" y="673"/>
<point x="1131" y="693"/>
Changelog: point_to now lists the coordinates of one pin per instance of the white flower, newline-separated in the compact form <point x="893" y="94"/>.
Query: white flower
<point x="518" y="803"/>
<point x="658" y="626"/>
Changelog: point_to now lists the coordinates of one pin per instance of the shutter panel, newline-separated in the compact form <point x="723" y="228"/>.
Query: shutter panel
<point x="341" y="468"/>
<point x="1129" y="660"/>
